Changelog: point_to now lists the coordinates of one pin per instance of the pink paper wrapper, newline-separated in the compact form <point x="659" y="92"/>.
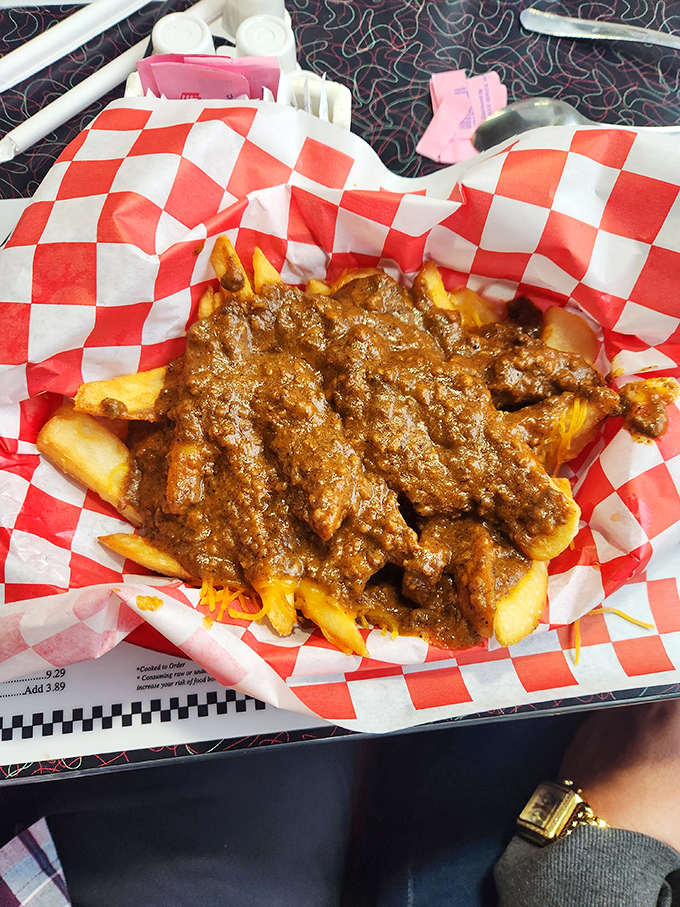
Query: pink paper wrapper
<point x="459" y="105"/>
<point x="102" y="277"/>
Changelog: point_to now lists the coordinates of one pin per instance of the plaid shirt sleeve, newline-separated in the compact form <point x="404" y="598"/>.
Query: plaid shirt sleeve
<point x="30" y="871"/>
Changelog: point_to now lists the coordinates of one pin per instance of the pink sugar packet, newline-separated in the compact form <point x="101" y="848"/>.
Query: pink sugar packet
<point x="460" y="105"/>
<point x="178" y="81"/>
<point x="261" y="72"/>
<point x="145" y="68"/>
<point x="207" y="76"/>
<point x="445" y="84"/>
<point x="487" y="95"/>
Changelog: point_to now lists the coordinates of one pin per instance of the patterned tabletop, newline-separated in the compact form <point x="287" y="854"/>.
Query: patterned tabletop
<point x="385" y="51"/>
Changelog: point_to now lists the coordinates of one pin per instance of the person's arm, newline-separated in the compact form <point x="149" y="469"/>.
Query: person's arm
<point x="627" y="763"/>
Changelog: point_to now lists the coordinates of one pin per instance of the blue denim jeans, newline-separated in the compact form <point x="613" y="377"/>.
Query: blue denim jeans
<point x="411" y="820"/>
<point x="446" y="804"/>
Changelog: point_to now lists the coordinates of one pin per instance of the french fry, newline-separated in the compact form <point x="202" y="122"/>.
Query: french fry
<point x="567" y="331"/>
<point x="429" y="286"/>
<point x="209" y="302"/>
<point x="88" y="451"/>
<point x="354" y="274"/>
<point x="139" y="549"/>
<point x="545" y="547"/>
<point x="644" y="404"/>
<point x="337" y="624"/>
<point x="232" y="276"/>
<point x="185" y="476"/>
<point x="264" y="272"/>
<point x="126" y="397"/>
<point x="573" y="421"/>
<point x="229" y="270"/>
<point x="519" y="611"/>
<point x="473" y="310"/>
<point x="319" y="287"/>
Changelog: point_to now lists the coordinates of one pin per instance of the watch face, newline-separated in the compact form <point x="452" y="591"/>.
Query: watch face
<point x="548" y="811"/>
<point x="541" y="807"/>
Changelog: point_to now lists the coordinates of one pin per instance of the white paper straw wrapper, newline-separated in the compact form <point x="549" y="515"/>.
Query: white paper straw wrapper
<point x="91" y="89"/>
<point x="70" y="103"/>
<point x="63" y="38"/>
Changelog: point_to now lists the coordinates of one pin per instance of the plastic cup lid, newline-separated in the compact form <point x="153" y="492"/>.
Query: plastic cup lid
<point x="267" y="36"/>
<point x="182" y="33"/>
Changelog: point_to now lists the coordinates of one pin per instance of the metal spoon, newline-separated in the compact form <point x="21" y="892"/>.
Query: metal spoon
<point x="533" y="113"/>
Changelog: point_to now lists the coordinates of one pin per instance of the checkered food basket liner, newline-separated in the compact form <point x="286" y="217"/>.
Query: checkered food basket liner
<point x="102" y="277"/>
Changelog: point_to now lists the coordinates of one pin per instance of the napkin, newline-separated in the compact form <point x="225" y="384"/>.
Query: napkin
<point x="103" y="274"/>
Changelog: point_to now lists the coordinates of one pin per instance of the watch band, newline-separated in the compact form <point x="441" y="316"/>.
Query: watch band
<point x="554" y="811"/>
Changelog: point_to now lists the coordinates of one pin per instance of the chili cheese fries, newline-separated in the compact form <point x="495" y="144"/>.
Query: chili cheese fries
<point x="352" y="454"/>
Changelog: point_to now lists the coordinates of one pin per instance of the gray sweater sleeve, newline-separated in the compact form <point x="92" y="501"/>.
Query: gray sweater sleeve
<point x="592" y="867"/>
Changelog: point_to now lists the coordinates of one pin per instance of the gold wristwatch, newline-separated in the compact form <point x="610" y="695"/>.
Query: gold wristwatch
<point x="554" y="811"/>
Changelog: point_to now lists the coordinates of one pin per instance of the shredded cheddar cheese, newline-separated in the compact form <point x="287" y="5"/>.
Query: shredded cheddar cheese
<point x="218" y="602"/>
<point x="602" y="610"/>
<point x="387" y="625"/>
<point x="633" y="620"/>
<point x="577" y="641"/>
<point x="566" y="432"/>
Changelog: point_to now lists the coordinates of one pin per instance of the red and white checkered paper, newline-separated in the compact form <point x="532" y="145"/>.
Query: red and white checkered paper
<point x="102" y="277"/>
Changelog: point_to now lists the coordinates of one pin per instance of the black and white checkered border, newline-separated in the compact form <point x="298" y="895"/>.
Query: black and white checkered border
<point x="48" y="724"/>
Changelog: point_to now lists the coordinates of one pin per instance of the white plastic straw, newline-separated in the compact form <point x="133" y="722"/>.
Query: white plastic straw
<point x="70" y="103"/>
<point x="29" y="4"/>
<point x="87" y="92"/>
<point x="63" y="38"/>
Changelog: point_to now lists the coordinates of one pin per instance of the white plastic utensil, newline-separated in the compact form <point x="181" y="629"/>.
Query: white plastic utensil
<point x="537" y="20"/>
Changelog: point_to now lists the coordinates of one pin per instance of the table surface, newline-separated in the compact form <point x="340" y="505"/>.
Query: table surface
<point x="385" y="51"/>
<point x="135" y="707"/>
